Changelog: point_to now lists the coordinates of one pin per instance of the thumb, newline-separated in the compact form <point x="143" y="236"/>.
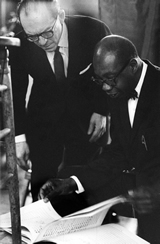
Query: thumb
<point x="91" y="128"/>
<point x="4" y="132"/>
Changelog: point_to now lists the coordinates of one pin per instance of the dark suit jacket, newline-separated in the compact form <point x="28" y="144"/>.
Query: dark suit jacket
<point x="102" y="178"/>
<point x="137" y="147"/>
<point x="48" y="99"/>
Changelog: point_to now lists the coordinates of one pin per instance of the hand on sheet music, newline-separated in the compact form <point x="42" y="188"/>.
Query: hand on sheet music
<point x="97" y="126"/>
<point x="145" y="199"/>
<point x="54" y="187"/>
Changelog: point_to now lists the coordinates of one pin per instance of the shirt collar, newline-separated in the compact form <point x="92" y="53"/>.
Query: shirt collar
<point x="63" y="42"/>
<point x="140" y="83"/>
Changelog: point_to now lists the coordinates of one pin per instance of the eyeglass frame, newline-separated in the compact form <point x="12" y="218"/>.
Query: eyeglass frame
<point x="112" y="81"/>
<point x="52" y="30"/>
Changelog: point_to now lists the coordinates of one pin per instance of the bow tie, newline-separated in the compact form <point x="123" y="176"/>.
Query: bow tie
<point x="132" y="95"/>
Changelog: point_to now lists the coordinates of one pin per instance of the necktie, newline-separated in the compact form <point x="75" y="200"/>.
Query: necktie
<point x="132" y="95"/>
<point x="132" y="104"/>
<point x="59" y="65"/>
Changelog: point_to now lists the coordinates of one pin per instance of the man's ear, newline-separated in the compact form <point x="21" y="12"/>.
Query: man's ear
<point x="133" y="65"/>
<point x="62" y="15"/>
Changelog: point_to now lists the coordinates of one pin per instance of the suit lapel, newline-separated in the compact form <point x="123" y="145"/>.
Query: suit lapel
<point x="39" y="59"/>
<point x="119" y="111"/>
<point x="125" y="119"/>
<point x="145" y="101"/>
<point x="74" y="39"/>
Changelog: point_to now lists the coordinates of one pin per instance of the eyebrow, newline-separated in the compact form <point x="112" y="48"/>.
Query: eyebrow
<point x="47" y="29"/>
<point x="104" y="76"/>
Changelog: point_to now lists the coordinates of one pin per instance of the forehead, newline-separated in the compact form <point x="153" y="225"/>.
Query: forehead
<point x="36" y="17"/>
<point x="105" y="63"/>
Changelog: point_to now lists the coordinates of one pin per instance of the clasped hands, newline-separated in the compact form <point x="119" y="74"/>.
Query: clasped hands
<point x="55" y="187"/>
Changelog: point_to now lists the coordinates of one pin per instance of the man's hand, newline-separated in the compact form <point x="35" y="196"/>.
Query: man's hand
<point x="97" y="126"/>
<point x="54" y="187"/>
<point x="3" y="88"/>
<point x="22" y="151"/>
<point x="144" y="199"/>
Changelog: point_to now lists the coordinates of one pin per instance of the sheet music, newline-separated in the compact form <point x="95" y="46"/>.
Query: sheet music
<point x="83" y="219"/>
<point x="39" y="220"/>
<point x="33" y="216"/>
<point x="105" y="234"/>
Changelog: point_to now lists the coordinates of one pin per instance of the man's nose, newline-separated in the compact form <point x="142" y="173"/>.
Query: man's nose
<point x="106" y="87"/>
<point x="42" y="41"/>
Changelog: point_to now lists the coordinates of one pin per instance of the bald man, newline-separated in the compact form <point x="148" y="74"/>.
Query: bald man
<point x="132" y="160"/>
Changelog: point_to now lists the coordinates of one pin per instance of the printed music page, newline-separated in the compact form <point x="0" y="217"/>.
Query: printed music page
<point x="40" y="221"/>
<point x="86" y="218"/>
<point x="105" y="234"/>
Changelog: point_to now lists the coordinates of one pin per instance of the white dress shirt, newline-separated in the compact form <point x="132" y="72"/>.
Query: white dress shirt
<point x="132" y="103"/>
<point x="63" y="44"/>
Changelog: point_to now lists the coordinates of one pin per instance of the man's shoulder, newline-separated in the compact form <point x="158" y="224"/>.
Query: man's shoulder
<point x="88" y="20"/>
<point x="151" y="65"/>
<point x="78" y="17"/>
<point x="88" y="24"/>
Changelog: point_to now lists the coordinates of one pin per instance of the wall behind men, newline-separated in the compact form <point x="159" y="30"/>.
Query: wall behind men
<point x="137" y="20"/>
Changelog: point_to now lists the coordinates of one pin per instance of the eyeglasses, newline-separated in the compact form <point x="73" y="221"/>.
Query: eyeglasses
<point x="46" y="34"/>
<point x="111" y="81"/>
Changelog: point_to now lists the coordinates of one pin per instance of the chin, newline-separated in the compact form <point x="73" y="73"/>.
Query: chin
<point x="49" y="49"/>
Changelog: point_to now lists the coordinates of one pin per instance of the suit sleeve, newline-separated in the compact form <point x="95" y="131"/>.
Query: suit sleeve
<point x="99" y="31"/>
<point x="19" y="79"/>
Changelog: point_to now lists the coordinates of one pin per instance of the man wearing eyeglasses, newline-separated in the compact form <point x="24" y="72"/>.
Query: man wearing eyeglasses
<point x="62" y="114"/>
<point x="130" y="164"/>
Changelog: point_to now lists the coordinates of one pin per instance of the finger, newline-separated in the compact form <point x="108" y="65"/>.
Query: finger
<point x="3" y="88"/>
<point x="93" y="138"/>
<point x="4" y="132"/>
<point x="47" y="189"/>
<point x="39" y="196"/>
<point x="91" y="128"/>
<point x="46" y="200"/>
<point x="43" y="192"/>
<point x="96" y="135"/>
<point x="51" y="195"/>
<point x="43" y="195"/>
<point x="22" y="164"/>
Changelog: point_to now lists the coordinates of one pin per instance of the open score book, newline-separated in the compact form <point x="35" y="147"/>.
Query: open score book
<point x="40" y="222"/>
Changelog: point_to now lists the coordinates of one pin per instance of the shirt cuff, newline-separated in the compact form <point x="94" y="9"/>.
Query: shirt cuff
<point x="20" y="138"/>
<point x="79" y="185"/>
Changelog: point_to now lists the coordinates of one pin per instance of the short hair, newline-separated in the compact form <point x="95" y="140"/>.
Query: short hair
<point x="24" y="3"/>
